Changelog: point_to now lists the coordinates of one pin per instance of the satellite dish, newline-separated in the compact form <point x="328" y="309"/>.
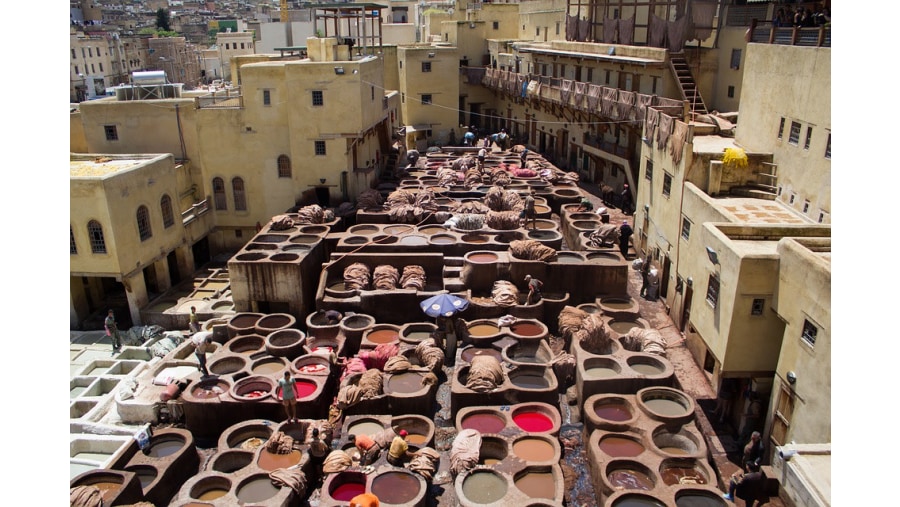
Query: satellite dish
<point x="713" y="256"/>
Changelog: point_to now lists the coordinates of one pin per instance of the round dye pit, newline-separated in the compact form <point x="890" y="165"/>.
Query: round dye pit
<point x="534" y="422"/>
<point x="256" y="489"/>
<point x="383" y="336"/>
<point x="534" y="449"/>
<point x="253" y="256"/>
<point x="409" y="382"/>
<point x="212" y="494"/>
<point x="210" y="388"/>
<point x="617" y="304"/>
<point x="364" y="229"/>
<point x="414" y="240"/>
<point x="666" y="402"/>
<point x="107" y="489"/>
<point x="365" y="427"/>
<point x="617" y="412"/>
<point x="630" y="478"/>
<point x="477" y="239"/>
<point x="417" y="333"/>
<point x="646" y="366"/>
<point x="682" y="473"/>
<point x="698" y="499"/>
<point x="682" y="443"/>
<point x="537" y="484"/>
<point x="484" y="487"/>
<point x="482" y="257"/>
<point x="346" y="491"/>
<point x="210" y="488"/>
<point x="302" y="388"/>
<point x="396" y="487"/>
<point x="146" y="474"/>
<point x="665" y="406"/>
<point x="432" y="229"/>
<point x="164" y="448"/>
<point x="470" y="352"/>
<point x="479" y="330"/>
<point x="527" y="329"/>
<point x="443" y="239"/>
<point x="600" y="372"/>
<point x="270" y="461"/>
<point x="484" y="422"/>
<point x="399" y="229"/>
<point x="268" y="366"/>
<point x="621" y="447"/>
<point x="529" y="381"/>
<point x="637" y="501"/>
<point x="623" y="326"/>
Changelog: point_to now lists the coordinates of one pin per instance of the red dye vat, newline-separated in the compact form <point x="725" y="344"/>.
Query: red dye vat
<point x="302" y="388"/>
<point x="533" y="421"/>
<point x="345" y="492"/>
<point x="484" y="423"/>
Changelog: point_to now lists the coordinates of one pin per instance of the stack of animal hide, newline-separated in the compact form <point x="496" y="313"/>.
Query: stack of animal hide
<point x="605" y="235"/>
<point x="505" y="293"/>
<point x="369" y="199"/>
<point x="649" y="341"/>
<point x="293" y="478"/>
<point x="312" y="214"/>
<point x="425" y="462"/>
<point x="377" y="357"/>
<point x="498" y="199"/>
<point x="503" y="220"/>
<point x="356" y="276"/>
<point x="465" y="451"/>
<point x="429" y="354"/>
<point x="413" y="277"/>
<point x="385" y="277"/>
<point x="469" y="221"/>
<point x="446" y="177"/>
<point x="531" y="250"/>
<point x="337" y="461"/>
<point x="280" y="443"/>
<point x="473" y="207"/>
<point x="500" y="177"/>
<point x="472" y="178"/>
<point x="281" y="223"/>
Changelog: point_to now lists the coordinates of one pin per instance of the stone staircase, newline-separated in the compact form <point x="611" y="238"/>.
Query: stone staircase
<point x="689" y="92"/>
<point x="765" y="186"/>
<point x="452" y="274"/>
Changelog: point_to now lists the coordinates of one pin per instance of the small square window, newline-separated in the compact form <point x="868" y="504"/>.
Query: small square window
<point x="712" y="291"/>
<point x="267" y="98"/>
<point x="112" y="134"/>
<point x="821" y="216"/>
<point x="781" y="129"/>
<point x="648" y="174"/>
<point x="808" y="138"/>
<point x="731" y="92"/>
<point x="557" y="28"/>
<point x="793" y="196"/>
<point x="537" y="30"/>
<point x="496" y="25"/>
<point x="685" y="228"/>
<point x="828" y="147"/>
<point x="320" y="147"/>
<point x="809" y="332"/>
<point x="735" y="59"/>
<point x="757" y="308"/>
<point x="794" y="136"/>
<point x="667" y="185"/>
<point x="426" y="66"/>
<point x="426" y="99"/>
<point x="805" y="206"/>
<point x="318" y="99"/>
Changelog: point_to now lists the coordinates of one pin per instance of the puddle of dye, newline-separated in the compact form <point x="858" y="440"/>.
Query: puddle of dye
<point x="345" y="492"/>
<point x="365" y="428"/>
<point x="165" y="448"/>
<point x="616" y="304"/>
<point x="537" y="484"/>
<point x="483" y="330"/>
<point x="76" y="391"/>
<point x="530" y="381"/>
<point x="630" y="479"/>
<point x="383" y="336"/>
<point x="623" y="326"/>
<point x="533" y="449"/>
<point x="677" y="451"/>
<point x="405" y="383"/>
<point x="484" y="487"/>
<point x="675" y="475"/>
<point x="612" y="412"/>
<point x="526" y="329"/>
<point x="302" y="389"/>
<point x="599" y="372"/>
<point x="698" y="501"/>
<point x="533" y="421"/>
<point x="646" y="369"/>
<point x="620" y="447"/>
<point x="257" y="490"/>
<point x="212" y="494"/>
<point x="471" y="352"/>
<point x="270" y="461"/>
<point x="485" y="423"/>
<point x="665" y="406"/>
<point x="268" y="367"/>
<point x="94" y="456"/>
<point x="395" y="487"/>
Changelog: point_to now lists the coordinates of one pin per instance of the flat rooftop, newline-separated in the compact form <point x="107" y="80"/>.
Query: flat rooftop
<point x="101" y="165"/>
<point x="747" y="210"/>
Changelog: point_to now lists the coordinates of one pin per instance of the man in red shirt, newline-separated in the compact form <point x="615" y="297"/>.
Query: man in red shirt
<point x="367" y="447"/>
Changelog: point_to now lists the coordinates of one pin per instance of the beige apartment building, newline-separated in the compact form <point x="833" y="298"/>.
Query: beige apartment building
<point x="97" y="60"/>
<point x="179" y="59"/>
<point x="230" y="45"/>
<point x="429" y="92"/>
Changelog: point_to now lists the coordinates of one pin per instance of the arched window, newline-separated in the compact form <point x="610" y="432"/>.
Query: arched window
<point x="143" y="222"/>
<point x="240" y="202"/>
<point x="165" y="205"/>
<point x="284" y="166"/>
<point x="95" y="232"/>
<point x="219" y="194"/>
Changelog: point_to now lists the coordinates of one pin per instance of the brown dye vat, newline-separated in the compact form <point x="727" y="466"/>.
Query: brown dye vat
<point x="585" y="224"/>
<point x="314" y="229"/>
<point x="488" y="461"/>
<point x="623" y="326"/>
<point x="543" y="225"/>
<point x="269" y="367"/>
<point x="416" y="439"/>
<point x="526" y="329"/>
<point x="482" y="257"/>
<point x="470" y="352"/>
<point x="261" y="246"/>
<point x="107" y="489"/>
<point x="146" y="474"/>
<point x="476" y="238"/>
<point x="257" y="490"/>
<point x="539" y="209"/>
<point x="672" y="475"/>
<point x="529" y="381"/>
<point x="417" y="336"/>
<point x="271" y="238"/>
<point x="613" y="412"/>
<point x="399" y="229"/>
<point x="364" y="229"/>
<point x="396" y="487"/>
<point x="227" y="365"/>
<point x="617" y="304"/>
<point x="483" y="330"/>
<point x="270" y="461"/>
<point x="533" y="449"/>
<point x="432" y="229"/>
<point x="212" y="494"/>
<point x="443" y="239"/>
<point x="646" y="368"/>
<point x="665" y="406"/>
<point x="405" y="382"/>
<point x="357" y="322"/>
<point x="383" y="336"/>
<point x="414" y="240"/>
<point x="600" y="372"/>
<point x="537" y="484"/>
<point x="621" y="447"/>
<point x="677" y="451"/>
<point x="629" y="478"/>
<point x="365" y="428"/>
<point x="305" y="239"/>
<point x="356" y="240"/>
<point x="698" y="499"/>
<point x="637" y="501"/>
<point x="484" y="422"/>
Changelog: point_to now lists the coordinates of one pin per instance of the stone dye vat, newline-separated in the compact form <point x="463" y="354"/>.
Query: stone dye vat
<point x="617" y="370"/>
<point x="524" y="382"/>
<point x="121" y="487"/>
<point x="393" y="487"/>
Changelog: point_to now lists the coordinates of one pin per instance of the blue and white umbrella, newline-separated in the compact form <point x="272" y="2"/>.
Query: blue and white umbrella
<point x="443" y="305"/>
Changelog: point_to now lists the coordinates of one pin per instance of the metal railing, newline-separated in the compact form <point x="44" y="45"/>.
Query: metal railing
<point x="225" y="98"/>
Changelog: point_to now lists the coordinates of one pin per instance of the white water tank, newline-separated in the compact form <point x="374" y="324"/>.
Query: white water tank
<point x="149" y="77"/>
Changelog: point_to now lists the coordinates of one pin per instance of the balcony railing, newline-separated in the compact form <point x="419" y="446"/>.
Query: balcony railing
<point x="766" y="33"/>
<point x="195" y="211"/>
<point x="226" y="98"/>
